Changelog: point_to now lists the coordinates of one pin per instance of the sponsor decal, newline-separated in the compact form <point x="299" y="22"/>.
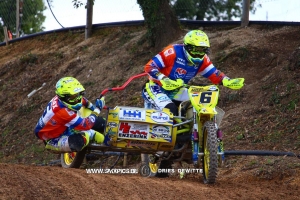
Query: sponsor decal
<point x="161" y="132"/>
<point x="160" y="117"/>
<point x="180" y="61"/>
<point x="76" y="90"/>
<point x="131" y="114"/>
<point x="213" y="88"/>
<point x="180" y="73"/>
<point x="198" y="90"/>
<point x="168" y="52"/>
<point x="113" y="114"/>
<point x="142" y="127"/>
<point x="127" y="130"/>
<point x="141" y="143"/>
<point x="110" y="132"/>
<point x="155" y="89"/>
<point x="54" y="104"/>
<point x="70" y="112"/>
<point x="92" y="118"/>
<point x="112" y="124"/>
<point x="207" y="58"/>
<point x="163" y="98"/>
<point x="41" y="123"/>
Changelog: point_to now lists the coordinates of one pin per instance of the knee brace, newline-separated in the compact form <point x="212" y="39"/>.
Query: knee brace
<point x="76" y="142"/>
<point x="173" y="108"/>
<point x="99" y="125"/>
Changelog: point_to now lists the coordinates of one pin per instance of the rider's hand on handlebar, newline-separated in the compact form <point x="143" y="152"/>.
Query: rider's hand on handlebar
<point x="100" y="103"/>
<point x="169" y="84"/>
<point x="234" y="84"/>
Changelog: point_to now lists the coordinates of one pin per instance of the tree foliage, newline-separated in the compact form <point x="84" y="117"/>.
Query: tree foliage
<point x="30" y="22"/>
<point x="162" y="23"/>
<point x="209" y="9"/>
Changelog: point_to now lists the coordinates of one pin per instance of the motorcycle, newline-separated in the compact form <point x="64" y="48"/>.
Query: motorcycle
<point x="195" y="139"/>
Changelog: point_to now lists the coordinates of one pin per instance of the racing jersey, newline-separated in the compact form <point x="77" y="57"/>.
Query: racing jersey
<point x="57" y="118"/>
<point x="172" y="62"/>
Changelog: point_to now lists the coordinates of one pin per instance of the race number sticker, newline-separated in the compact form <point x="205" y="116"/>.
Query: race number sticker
<point x="133" y="130"/>
<point x="131" y="114"/>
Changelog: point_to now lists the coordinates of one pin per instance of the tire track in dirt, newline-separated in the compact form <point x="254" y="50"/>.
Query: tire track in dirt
<point x="35" y="182"/>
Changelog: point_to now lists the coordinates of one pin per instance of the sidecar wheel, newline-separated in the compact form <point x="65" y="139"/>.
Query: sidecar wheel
<point x="73" y="159"/>
<point x="149" y="169"/>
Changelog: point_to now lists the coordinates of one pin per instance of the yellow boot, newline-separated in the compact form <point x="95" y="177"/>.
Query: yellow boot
<point x="98" y="138"/>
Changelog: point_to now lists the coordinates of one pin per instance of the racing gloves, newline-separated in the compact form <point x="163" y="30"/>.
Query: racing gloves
<point x="169" y="84"/>
<point x="100" y="103"/>
<point x="234" y="84"/>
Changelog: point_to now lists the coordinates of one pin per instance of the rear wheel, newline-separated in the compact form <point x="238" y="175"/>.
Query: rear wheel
<point x="73" y="159"/>
<point x="210" y="149"/>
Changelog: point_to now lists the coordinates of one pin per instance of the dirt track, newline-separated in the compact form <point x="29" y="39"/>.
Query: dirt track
<point x="34" y="182"/>
<point x="255" y="120"/>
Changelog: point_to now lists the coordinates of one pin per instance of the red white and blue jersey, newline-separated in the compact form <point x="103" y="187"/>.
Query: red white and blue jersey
<point x="57" y="118"/>
<point x="172" y="62"/>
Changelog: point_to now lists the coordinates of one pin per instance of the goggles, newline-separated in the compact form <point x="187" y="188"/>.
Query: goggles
<point x="75" y="98"/>
<point x="197" y="49"/>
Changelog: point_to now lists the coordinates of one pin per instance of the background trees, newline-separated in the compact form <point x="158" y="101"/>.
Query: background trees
<point x="31" y="20"/>
<point x="209" y="9"/>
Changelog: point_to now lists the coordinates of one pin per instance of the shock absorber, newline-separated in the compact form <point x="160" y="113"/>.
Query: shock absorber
<point x="195" y="142"/>
<point x="220" y="146"/>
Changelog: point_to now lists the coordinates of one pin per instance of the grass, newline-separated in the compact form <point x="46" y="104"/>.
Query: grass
<point x="241" y="52"/>
<point x="29" y="58"/>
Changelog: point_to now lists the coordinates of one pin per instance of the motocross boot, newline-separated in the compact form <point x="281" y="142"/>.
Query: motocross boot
<point x="86" y="138"/>
<point x="98" y="138"/>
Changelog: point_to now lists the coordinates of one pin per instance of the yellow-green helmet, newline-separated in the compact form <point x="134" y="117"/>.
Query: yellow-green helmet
<point x="70" y="92"/>
<point x="196" y="45"/>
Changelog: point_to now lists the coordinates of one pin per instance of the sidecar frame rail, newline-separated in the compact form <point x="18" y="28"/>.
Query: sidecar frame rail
<point x="123" y="86"/>
<point x="182" y="123"/>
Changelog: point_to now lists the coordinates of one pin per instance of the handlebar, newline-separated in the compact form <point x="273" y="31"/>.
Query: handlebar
<point x="123" y="86"/>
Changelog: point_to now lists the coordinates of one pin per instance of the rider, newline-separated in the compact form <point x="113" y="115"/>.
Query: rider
<point x="60" y="126"/>
<point x="177" y="64"/>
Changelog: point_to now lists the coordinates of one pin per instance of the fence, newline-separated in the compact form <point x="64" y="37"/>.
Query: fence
<point x="37" y="16"/>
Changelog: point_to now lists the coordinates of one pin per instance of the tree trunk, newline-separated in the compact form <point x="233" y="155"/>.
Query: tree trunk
<point x="162" y="23"/>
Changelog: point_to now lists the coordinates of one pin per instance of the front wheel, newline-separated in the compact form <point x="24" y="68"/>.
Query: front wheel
<point x="210" y="149"/>
<point x="73" y="159"/>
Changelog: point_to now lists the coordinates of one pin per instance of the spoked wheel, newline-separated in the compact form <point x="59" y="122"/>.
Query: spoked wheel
<point x="73" y="159"/>
<point x="210" y="148"/>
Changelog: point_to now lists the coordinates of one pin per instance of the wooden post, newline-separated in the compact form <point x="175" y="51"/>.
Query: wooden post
<point x="89" y="19"/>
<point x="125" y="160"/>
<point x="5" y="35"/>
<point x="245" y="14"/>
<point x="18" y="19"/>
